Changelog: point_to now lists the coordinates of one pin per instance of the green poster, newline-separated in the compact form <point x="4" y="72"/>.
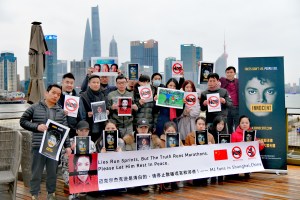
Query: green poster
<point x="261" y="97"/>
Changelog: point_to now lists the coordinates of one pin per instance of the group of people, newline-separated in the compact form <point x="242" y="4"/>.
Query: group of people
<point x="146" y="117"/>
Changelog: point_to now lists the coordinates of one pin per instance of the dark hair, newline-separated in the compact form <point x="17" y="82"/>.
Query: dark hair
<point x="110" y="121"/>
<point x="77" y="156"/>
<point x="244" y="116"/>
<point x="174" y="81"/>
<point x="229" y="68"/>
<point x="114" y="65"/>
<point x="202" y="118"/>
<point x="170" y="124"/>
<point x="93" y="76"/>
<point x="213" y="75"/>
<point x="121" y="76"/>
<point x="97" y="65"/>
<point x="68" y="75"/>
<point x="155" y="74"/>
<point x="185" y="83"/>
<point x="217" y="120"/>
<point x="144" y="78"/>
<point x="53" y="85"/>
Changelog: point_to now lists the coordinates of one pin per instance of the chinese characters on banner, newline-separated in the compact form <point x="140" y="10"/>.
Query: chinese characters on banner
<point x="136" y="168"/>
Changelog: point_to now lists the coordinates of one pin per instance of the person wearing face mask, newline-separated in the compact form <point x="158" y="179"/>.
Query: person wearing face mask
<point x="156" y="80"/>
<point x="145" y="109"/>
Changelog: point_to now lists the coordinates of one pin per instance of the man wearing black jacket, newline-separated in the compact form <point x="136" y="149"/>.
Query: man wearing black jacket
<point x="34" y="119"/>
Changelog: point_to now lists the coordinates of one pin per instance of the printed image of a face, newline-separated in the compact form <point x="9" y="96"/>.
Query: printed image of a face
<point x="105" y="68"/>
<point x="83" y="164"/>
<point x="249" y="138"/>
<point x="52" y="141"/>
<point x="223" y="141"/>
<point x="172" y="142"/>
<point x="260" y="91"/>
<point x="201" y="139"/>
<point x="144" y="142"/>
<point x="124" y="103"/>
<point x="99" y="109"/>
<point x="82" y="146"/>
<point x="110" y="139"/>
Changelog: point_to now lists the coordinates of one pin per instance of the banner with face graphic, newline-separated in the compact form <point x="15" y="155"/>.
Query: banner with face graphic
<point x="261" y="97"/>
<point x="53" y="139"/>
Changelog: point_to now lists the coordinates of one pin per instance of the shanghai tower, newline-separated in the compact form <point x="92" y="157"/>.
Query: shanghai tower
<point x="92" y="39"/>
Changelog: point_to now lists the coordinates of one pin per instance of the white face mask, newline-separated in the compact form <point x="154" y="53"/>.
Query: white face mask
<point x="156" y="83"/>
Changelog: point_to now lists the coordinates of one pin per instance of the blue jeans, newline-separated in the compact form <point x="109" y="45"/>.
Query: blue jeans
<point x="232" y="119"/>
<point x="37" y="166"/>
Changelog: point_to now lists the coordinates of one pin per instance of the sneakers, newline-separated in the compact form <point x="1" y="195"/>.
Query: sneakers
<point x="35" y="197"/>
<point x="51" y="196"/>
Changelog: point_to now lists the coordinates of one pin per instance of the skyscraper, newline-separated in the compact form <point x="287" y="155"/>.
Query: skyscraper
<point x="190" y="55"/>
<point x="8" y="71"/>
<point x="61" y="69"/>
<point x="78" y="68"/>
<point x="50" y="72"/>
<point x="221" y="63"/>
<point x="92" y="39"/>
<point x="96" y="32"/>
<point x="113" y="48"/>
<point x="168" y="68"/>
<point x="88" y="44"/>
<point x="145" y="53"/>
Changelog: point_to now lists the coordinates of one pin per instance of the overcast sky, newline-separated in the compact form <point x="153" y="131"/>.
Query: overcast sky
<point x="253" y="28"/>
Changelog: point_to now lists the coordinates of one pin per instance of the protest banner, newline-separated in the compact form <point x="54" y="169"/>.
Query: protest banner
<point x="137" y="168"/>
<point x="71" y="105"/>
<point x="262" y="99"/>
<point x="53" y="139"/>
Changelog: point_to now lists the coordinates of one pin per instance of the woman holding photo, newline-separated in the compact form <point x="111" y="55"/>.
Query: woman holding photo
<point x="187" y="119"/>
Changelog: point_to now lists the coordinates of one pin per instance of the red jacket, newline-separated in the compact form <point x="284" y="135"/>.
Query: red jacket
<point x="237" y="136"/>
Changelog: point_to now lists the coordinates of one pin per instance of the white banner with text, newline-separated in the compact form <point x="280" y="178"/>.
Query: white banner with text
<point x="136" y="168"/>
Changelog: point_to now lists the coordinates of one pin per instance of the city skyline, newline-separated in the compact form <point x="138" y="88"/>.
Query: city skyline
<point x="272" y="30"/>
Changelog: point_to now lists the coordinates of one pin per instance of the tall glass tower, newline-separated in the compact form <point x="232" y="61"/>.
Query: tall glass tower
<point x="190" y="55"/>
<point x="168" y="68"/>
<point x="92" y="38"/>
<point x="221" y="63"/>
<point x="50" y="73"/>
<point x="96" y="32"/>
<point x="113" y="48"/>
<point x="145" y="53"/>
<point x="8" y="71"/>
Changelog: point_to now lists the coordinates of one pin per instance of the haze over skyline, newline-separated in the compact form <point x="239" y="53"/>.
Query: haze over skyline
<point x="252" y="28"/>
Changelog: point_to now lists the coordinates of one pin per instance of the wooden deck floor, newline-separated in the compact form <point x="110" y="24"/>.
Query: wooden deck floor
<point x="259" y="186"/>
